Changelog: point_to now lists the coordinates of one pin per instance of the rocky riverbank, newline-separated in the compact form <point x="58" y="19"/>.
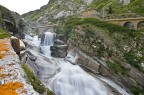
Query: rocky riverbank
<point x="11" y="72"/>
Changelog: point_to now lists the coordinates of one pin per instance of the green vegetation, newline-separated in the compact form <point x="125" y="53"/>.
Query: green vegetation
<point x="89" y="39"/>
<point x="117" y="68"/>
<point x="49" y="92"/>
<point x="73" y="22"/>
<point x="136" y="6"/>
<point x="3" y="34"/>
<point x="99" y="4"/>
<point x="35" y="82"/>
<point x="132" y="58"/>
<point x="138" y="91"/>
<point x="5" y="14"/>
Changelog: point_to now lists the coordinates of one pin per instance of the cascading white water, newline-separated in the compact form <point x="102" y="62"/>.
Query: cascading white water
<point x="47" y="42"/>
<point x="72" y="80"/>
<point x="49" y="39"/>
<point x="36" y="41"/>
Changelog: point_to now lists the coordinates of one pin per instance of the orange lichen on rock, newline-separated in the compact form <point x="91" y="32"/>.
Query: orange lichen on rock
<point x="1" y="68"/>
<point x="4" y="47"/>
<point x="11" y="88"/>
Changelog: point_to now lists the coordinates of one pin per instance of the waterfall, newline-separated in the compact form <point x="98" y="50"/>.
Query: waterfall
<point x="49" y="39"/>
<point x="36" y="41"/>
<point x="47" y="42"/>
<point x="72" y="80"/>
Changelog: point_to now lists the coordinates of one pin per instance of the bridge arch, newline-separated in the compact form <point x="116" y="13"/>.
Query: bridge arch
<point x="140" y="25"/>
<point x="129" y="25"/>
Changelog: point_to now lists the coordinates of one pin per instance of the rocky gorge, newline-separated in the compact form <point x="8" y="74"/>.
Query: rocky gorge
<point x="70" y="49"/>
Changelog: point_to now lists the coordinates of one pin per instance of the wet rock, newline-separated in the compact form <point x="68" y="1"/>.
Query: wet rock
<point x="59" y="51"/>
<point x="61" y="37"/>
<point x="31" y="56"/>
<point x="59" y="54"/>
<point x="58" y="42"/>
<point x="59" y="47"/>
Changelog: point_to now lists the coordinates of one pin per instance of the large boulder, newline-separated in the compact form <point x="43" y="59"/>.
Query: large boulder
<point x="59" y="51"/>
<point x="19" y="24"/>
<point x="15" y="44"/>
<point x="62" y="37"/>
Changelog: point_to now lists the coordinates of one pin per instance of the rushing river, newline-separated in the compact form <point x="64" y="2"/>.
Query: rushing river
<point x="71" y="79"/>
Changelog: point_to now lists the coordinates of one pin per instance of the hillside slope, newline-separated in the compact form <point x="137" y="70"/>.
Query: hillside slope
<point x="60" y="8"/>
<point x="57" y="9"/>
<point x="135" y="7"/>
<point x="120" y="49"/>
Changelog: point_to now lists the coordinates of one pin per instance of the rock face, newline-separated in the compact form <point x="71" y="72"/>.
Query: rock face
<point x="59" y="49"/>
<point x="58" y="42"/>
<point x="125" y="2"/>
<point x="12" y="71"/>
<point x="88" y="1"/>
<point x="11" y="22"/>
<point x="20" y="24"/>
<point x="61" y="37"/>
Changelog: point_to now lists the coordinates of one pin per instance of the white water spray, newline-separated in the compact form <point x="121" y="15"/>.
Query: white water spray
<point x="36" y="41"/>
<point x="48" y="41"/>
<point x="72" y="80"/>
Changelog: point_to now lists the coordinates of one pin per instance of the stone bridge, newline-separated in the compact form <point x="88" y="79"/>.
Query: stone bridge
<point x="131" y="23"/>
<point x="40" y="29"/>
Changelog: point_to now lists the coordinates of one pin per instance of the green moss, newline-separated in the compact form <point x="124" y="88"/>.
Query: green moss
<point x="35" y="82"/>
<point x="49" y="92"/>
<point x="4" y="34"/>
